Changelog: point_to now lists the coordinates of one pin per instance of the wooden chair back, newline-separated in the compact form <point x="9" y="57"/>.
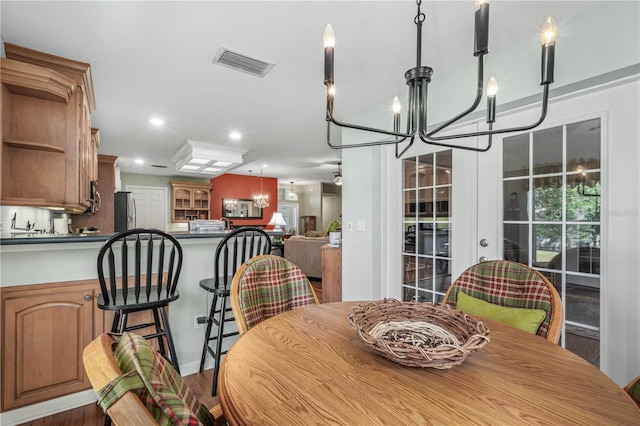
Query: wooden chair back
<point x="508" y="283"/>
<point x="266" y="286"/>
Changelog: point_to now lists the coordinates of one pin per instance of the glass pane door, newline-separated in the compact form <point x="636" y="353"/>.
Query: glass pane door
<point x="551" y="220"/>
<point x="427" y="193"/>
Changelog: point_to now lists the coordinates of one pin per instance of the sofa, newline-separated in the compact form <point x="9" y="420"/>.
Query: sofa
<point x="306" y="253"/>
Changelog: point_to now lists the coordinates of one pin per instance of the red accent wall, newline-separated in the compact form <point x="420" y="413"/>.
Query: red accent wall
<point x="240" y="186"/>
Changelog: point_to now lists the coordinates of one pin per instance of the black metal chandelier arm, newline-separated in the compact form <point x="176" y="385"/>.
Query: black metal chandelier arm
<point x="427" y="138"/>
<point x="330" y="119"/>
<point x="399" y="154"/>
<point x="467" y="148"/>
<point x="358" y="145"/>
<point x="473" y="106"/>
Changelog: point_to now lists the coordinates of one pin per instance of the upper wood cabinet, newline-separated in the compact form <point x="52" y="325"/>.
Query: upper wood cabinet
<point x="190" y="201"/>
<point x="49" y="156"/>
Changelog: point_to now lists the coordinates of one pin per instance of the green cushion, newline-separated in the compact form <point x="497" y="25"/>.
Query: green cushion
<point x="522" y="318"/>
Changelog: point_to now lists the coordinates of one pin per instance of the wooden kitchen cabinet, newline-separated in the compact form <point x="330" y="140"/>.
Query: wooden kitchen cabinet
<point x="45" y="328"/>
<point x="190" y="201"/>
<point x="48" y="153"/>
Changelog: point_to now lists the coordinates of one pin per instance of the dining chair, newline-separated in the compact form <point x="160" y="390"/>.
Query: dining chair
<point x="266" y="286"/>
<point x="633" y="389"/>
<point x="505" y="285"/>
<point x="138" y="270"/>
<point x="135" y="385"/>
<point x="235" y="248"/>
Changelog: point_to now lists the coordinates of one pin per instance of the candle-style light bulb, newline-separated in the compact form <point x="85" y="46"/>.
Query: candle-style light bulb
<point x="548" y="39"/>
<point x="549" y="32"/>
<point x="396" y="107"/>
<point x="492" y="89"/>
<point x="481" y="2"/>
<point x="329" y="36"/>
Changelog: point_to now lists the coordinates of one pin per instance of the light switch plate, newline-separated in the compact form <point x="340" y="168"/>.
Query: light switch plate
<point x="361" y="226"/>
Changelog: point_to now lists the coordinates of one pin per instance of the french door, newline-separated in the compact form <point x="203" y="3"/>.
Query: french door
<point x="535" y="198"/>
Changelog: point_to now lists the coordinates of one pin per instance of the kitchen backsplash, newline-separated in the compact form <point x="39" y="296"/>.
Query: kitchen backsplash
<point x="20" y="218"/>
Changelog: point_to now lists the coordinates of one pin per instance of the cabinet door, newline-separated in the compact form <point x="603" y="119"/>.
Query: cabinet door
<point x="44" y="336"/>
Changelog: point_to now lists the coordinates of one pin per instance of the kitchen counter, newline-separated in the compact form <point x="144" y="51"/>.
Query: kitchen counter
<point x="37" y="238"/>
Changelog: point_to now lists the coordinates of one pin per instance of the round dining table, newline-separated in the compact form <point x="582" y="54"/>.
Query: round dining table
<point x="307" y="366"/>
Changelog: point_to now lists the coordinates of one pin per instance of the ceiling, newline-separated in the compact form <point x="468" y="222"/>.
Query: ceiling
<point x="154" y="59"/>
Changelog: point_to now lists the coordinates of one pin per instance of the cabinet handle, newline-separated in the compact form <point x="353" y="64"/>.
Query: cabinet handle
<point x="87" y="298"/>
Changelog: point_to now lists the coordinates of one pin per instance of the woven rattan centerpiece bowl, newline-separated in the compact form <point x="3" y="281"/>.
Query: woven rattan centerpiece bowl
<point x="418" y="334"/>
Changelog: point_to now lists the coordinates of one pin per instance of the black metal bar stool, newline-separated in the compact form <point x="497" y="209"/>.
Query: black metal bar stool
<point x="234" y="249"/>
<point x="138" y="270"/>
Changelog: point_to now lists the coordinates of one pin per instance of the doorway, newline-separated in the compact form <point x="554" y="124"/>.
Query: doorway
<point x="151" y="206"/>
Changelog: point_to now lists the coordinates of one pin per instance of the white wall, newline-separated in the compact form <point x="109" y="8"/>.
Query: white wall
<point x="598" y="46"/>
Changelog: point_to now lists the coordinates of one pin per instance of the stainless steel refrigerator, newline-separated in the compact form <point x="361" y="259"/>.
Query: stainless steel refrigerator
<point x="124" y="216"/>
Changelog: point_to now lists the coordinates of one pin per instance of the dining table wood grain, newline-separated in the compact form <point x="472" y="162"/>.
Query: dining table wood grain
<point x="307" y="366"/>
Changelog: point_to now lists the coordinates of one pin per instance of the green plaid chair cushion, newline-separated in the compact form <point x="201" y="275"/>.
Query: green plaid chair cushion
<point x="506" y="283"/>
<point x="634" y="391"/>
<point x="271" y="285"/>
<point x="156" y="382"/>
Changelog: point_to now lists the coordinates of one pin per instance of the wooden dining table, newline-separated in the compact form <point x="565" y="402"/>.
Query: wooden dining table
<point x="308" y="366"/>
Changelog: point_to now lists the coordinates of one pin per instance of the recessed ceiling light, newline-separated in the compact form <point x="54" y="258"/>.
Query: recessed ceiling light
<point x="235" y="135"/>
<point x="265" y="165"/>
<point x="157" y="121"/>
<point x="139" y="161"/>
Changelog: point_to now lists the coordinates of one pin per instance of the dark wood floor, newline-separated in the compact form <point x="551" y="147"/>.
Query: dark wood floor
<point x="88" y="415"/>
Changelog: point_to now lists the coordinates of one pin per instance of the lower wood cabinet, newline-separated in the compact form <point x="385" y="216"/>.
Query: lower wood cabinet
<point x="45" y="328"/>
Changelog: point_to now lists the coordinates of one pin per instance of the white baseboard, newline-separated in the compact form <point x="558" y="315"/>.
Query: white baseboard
<point x="47" y="408"/>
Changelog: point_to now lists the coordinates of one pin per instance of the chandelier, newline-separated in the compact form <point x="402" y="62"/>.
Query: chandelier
<point x="260" y="200"/>
<point x="419" y="77"/>
<point x="337" y="178"/>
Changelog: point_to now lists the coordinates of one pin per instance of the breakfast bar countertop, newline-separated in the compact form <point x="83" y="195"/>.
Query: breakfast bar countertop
<point x="36" y="238"/>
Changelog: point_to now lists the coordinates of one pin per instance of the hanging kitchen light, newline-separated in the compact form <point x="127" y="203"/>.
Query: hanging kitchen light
<point x="337" y="178"/>
<point x="418" y="79"/>
<point x="260" y="200"/>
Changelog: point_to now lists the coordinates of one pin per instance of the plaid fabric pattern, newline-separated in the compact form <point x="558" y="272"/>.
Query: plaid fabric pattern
<point x="634" y="391"/>
<point x="157" y="384"/>
<point x="506" y="283"/>
<point x="271" y="285"/>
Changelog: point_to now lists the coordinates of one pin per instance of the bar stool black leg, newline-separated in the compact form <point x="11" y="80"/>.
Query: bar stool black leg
<point x="218" y="354"/>
<point x="207" y="334"/>
<point x="172" y="348"/>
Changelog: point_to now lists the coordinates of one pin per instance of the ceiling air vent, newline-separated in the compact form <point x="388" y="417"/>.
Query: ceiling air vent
<point x="242" y="62"/>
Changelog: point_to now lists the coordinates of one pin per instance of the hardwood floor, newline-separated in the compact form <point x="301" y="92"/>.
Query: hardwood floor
<point x="88" y="415"/>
